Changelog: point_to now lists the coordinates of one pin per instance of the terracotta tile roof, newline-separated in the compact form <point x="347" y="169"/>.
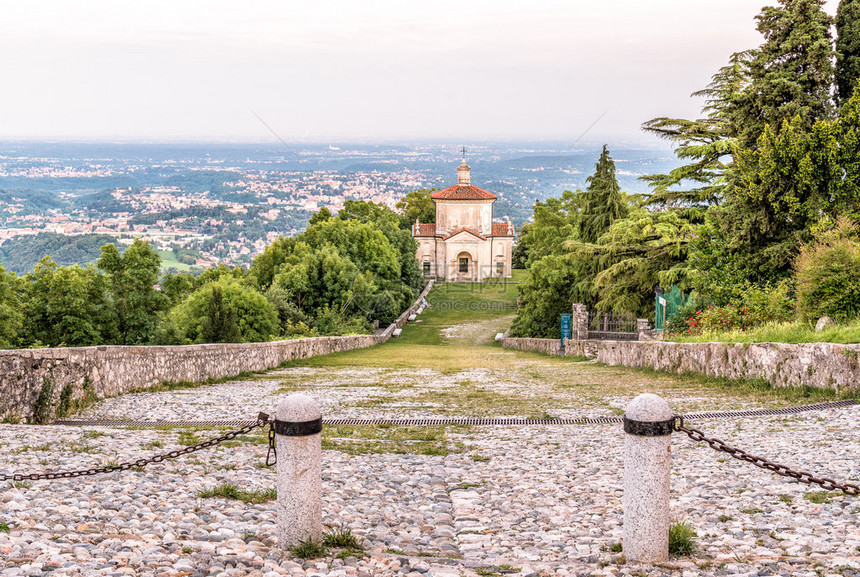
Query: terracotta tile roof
<point x="463" y="192"/>
<point x="425" y="229"/>
<point x="501" y="229"/>
<point x="465" y="229"/>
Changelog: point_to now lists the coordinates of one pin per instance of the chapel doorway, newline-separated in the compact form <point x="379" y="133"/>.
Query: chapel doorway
<point x="464" y="267"/>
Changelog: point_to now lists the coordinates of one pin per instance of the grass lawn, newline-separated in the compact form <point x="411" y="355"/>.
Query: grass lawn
<point x="168" y="261"/>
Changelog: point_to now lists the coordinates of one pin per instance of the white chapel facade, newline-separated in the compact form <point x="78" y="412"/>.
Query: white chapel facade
<point x="464" y="244"/>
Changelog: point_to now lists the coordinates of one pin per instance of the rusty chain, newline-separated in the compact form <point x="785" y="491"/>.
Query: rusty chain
<point x="262" y="420"/>
<point x="740" y="454"/>
<point x="271" y="456"/>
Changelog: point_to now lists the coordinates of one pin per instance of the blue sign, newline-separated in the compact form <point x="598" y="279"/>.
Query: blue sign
<point x="565" y="328"/>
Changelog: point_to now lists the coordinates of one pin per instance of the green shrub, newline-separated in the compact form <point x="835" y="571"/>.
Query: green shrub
<point x="766" y="304"/>
<point x="751" y="306"/>
<point x="828" y="279"/>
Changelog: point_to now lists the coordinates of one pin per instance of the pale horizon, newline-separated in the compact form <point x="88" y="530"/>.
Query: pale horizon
<point x="370" y="72"/>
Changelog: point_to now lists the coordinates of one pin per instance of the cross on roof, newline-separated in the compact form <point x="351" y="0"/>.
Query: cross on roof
<point x="464" y="153"/>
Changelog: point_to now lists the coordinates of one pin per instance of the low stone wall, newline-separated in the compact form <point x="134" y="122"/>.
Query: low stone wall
<point x="546" y="346"/>
<point x="108" y="371"/>
<point x="822" y="365"/>
<point x="114" y="370"/>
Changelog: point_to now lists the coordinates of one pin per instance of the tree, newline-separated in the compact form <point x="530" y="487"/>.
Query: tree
<point x="554" y="221"/>
<point x="131" y="278"/>
<point x="604" y="202"/>
<point x="67" y="306"/>
<point x="175" y="287"/>
<point x="544" y="294"/>
<point x="637" y="254"/>
<point x="561" y="255"/>
<point x="204" y="315"/>
<point x="219" y="325"/>
<point x="417" y="205"/>
<point x="791" y="73"/>
<point x="706" y="144"/>
<point x="398" y="233"/>
<point x="362" y="243"/>
<point x="847" y="49"/>
<point x="222" y="271"/>
<point x="520" y="254"/>
<point x="323" y="278"/>
<point x="11" y="316"/>
<point x="792" y="179"/>
<point x="321" y="216"/>
<point x="266" y="265"/>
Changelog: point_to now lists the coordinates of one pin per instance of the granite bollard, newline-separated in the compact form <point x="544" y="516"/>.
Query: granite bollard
<point x="298" y="428"/>
<point x="647" y="459"/>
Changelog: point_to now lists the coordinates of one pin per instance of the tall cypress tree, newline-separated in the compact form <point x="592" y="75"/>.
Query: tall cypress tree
<point x="604" y="203"/>
<point x="791" y="74"/>
<point x="847" y="48"/>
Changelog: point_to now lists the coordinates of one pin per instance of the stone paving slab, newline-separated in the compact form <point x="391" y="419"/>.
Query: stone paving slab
<point x="536" y="500"/>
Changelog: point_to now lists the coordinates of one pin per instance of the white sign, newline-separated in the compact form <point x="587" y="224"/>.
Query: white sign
<point x="662" y="301"/>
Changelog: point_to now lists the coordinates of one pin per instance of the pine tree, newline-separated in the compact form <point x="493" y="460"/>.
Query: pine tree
<point x="791" y="74"/>
<point x="604" y="203"/>
<point x="847" y="48"/>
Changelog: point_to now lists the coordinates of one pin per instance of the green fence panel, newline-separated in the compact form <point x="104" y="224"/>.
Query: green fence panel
<point x="667" y="304"/>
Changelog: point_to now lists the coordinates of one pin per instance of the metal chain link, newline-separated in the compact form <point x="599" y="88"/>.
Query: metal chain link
<point x="477" y="421"/>
<point x="802" y="476"/>
<point x="262" y="420"/>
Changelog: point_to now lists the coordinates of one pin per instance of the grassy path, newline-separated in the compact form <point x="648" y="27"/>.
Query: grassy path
<point x="447" y="362"/>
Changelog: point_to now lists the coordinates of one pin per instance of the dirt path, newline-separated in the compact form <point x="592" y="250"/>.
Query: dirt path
<point x="477" y="333"/>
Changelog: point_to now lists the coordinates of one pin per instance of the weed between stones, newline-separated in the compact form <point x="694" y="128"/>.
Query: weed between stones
<point x="343" y="539"/>
<point x="308" y="550"/>
<point x="819" y="497"/>
<point x="231" y="491"/>
<point x="682" y="538"/>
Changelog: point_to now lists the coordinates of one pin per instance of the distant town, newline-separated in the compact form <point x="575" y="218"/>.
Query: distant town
<point x="201" y="205"/>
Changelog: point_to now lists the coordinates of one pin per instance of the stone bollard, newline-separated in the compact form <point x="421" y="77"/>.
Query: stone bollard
<point x="647" y="458"/>
<point x="298" y="424"/>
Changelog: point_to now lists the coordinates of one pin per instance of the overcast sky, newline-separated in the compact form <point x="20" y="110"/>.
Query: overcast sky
<point x="359" y="69"/>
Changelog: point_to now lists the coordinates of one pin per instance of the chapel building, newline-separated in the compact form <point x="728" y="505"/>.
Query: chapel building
<point x="464" y="244"/>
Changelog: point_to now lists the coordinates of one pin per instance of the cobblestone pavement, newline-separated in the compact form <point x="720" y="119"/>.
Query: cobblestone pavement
<point x="539" y="500"/>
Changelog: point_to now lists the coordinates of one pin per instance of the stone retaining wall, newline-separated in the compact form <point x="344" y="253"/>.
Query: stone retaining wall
<point x="822" y="365"/>
<point x="108" y="371"/>
<point x="114" y="370"/>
